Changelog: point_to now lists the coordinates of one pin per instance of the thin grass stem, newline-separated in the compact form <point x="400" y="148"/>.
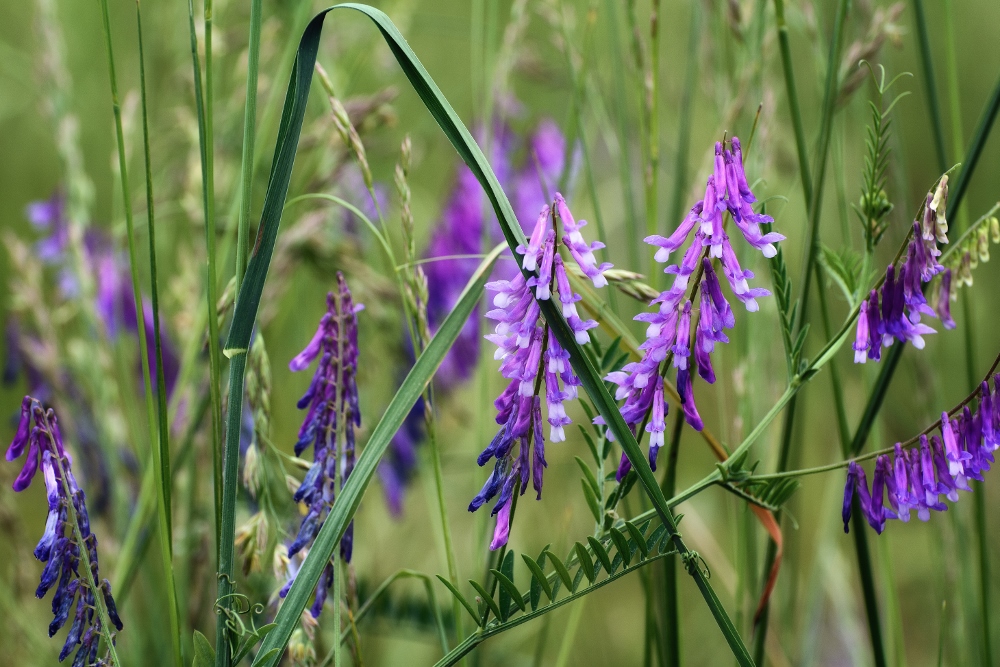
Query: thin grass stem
<point x="159" y="456"/>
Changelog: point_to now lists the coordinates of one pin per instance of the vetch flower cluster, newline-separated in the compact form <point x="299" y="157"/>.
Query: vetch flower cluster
<point x="60" y="548"/>
<point x="333" y="414"/>
<point x="670" y="332"/>
<point x="914" y="479"/>
<point x="902" y="298"/>
<point x="531" y="356"/>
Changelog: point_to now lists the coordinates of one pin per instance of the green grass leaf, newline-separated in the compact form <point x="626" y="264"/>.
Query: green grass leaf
<point x="253" y="284"/>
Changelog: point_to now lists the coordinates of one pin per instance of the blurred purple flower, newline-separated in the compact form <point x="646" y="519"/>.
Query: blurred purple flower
<point x="460" y="231"/>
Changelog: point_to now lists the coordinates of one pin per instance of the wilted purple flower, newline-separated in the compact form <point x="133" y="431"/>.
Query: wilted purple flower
<point x="915" y="478"/>
<point x="60" y="547"/>
<point x="944" y="301"/>
<point x="669" y="327"/>
<point x="531" y="355"/>
<point x="333" y="414"/>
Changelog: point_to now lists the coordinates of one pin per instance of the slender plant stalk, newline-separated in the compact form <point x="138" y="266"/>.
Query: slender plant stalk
<point x="930" y="83"/>
<point x="621" y="113"/>
<point x="793" y="100"/>
<point x="159" y="455"/>
<point x="249" y="136"/>
<point x="670" y="640"/>
<point x="230" y="486"/>
<point x="208" y="207"/>
<point x="653" y="105"/>
<point x="684" y="124"/>
<point x="979" y="502"/>
<point x="812" y="194"/>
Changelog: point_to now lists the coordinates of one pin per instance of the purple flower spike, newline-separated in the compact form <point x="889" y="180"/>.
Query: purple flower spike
<point x="332" y="409"/>
<point x="59" y="547"/>
<point x="669" y="328"/>
<point x="530" y="355"/>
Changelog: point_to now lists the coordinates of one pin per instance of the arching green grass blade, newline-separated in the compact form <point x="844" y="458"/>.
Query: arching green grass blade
<point x="253" y="284"/>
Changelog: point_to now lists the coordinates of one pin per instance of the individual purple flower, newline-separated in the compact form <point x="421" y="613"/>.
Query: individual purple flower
<point x="668" y="333"/>
<point x="944" y="301"/>
<point x="856" y="484"/>
<point x="332" y="415"/>
<point x="530" y="355"/>
<point x="861" y="339"/>
<point x="63" y="547"/>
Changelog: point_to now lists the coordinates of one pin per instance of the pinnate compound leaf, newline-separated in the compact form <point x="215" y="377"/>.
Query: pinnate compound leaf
<point x="621" y="542"/>
<point x="489" y="601"/>
<point x="538" y="579"/>
<point x="592" y="502"/>
<point x="512" y="594"/>
<point x="637" y="538"/>
<point x="561" y="571"/>
<point x="586" y="563"/>
<point x="600" y="552"/>
<point x="461" y="598"/>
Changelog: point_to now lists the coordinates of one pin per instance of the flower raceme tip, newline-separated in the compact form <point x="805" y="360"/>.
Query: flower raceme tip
<point x="531" y="356"/>
<point x="669" y="331"/>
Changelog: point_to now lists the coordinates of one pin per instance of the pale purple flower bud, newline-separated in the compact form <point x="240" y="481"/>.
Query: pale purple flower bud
<point x="681" y="347"/>
<point x="656" y="425"/>
<point x="670" y="244"/>
<point x="944" y="301"/>
<point x="530" y="261"/>
<point x="502" y="531"/>
<point x="956" y="456"/>
<point x="861" y="339"/>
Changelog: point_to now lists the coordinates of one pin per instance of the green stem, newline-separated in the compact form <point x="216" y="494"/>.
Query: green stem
<point x="793" y="100"/>
<point x="442" y="507"/>
<point x="158" y="456"/>
<point x="982" y="542"/>
<point x="162" y="444"/>
<point x="230" y="488"/>
<point x="670" y="641"/>
<point x="812" y="193"/>
<point x="930" y="83"/>
<point x="684" y="124"/>
<point x="208" y="206"/>
<point x="652" y="102"/>
<point x="249" y="136"/>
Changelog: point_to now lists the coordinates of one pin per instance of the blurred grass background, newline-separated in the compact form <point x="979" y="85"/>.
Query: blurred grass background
<point x="817" y="617"/>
